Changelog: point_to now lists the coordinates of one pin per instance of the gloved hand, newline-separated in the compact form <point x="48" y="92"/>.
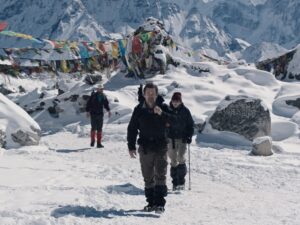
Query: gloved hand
<point x="189" y="140"/>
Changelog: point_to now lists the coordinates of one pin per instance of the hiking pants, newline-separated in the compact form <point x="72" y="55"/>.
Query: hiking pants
<point x="154" y="167"/>
<point x="176" y="152"/>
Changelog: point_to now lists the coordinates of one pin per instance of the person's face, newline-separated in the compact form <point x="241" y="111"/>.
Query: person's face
<point x="100" y="90"/>
<point x="150" y="96"/>
<point x="176" y="103"/>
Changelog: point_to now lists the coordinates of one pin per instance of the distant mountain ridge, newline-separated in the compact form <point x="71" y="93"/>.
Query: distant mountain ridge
<point x="198" y="24"/>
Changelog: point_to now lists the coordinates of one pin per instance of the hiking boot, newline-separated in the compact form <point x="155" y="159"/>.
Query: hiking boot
<point x="92" y="143"/>
<point x="99" y="145"/>
<point x="180" y="187"/>
<point x="149" y="208"/>
<point x="159" y="209"/>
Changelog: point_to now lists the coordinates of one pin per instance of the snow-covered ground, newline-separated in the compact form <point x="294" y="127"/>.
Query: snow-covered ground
<point x="63" y="181"/>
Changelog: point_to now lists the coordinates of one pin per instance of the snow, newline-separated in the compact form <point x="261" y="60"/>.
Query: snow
<point x="258" y="77"/>
<point x="293" y="66"/>
<point x="260" y="140"/>
<point x="281" y="108"/>
<point x="64" y="181"/>
<point x="72" y="184"/>
<point x="283" y="130"/>
<point x="13" y="118"/>
<point x="5" y="62"/>
<point x="226" y="102"/>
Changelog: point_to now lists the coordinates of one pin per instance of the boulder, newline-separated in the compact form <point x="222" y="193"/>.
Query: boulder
<point x="295" y="102"/>
<point x="22" y="89"/>
<point x="17" y="128"/>
<point x="4" y="90"/>
<point x="2" y="139"/>
<point x="92" y="79"/>
<point x="243" y="115"/>
<point x="262" y="146"/>
<point x="26" y="138"/>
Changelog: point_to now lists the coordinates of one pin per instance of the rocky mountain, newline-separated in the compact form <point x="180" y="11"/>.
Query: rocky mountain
<point x="196" y="24"/>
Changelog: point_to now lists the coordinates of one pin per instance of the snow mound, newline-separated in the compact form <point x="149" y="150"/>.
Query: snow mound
<point x="261" y="78"/>
<point x="18" y="126"/>
<point x="286" y="106"/>
<point x="283" y="130"/>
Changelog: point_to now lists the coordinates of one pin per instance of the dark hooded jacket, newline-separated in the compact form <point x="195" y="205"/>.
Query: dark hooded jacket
<point x="96" y="103"/>
<point x="150" y="127"/>
<point x="184" y="127"/>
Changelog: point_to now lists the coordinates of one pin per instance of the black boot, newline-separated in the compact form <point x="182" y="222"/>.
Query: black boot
<point x="160" y="191"/>
<point x="99" y="145"/>
<point x="181" y="172"/>
<point x="173" y="173"/>
<point x="92" y="143"/>
<point x="149" y="193"/>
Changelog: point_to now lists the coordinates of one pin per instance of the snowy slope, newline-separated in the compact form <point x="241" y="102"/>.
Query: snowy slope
<point x="262" y="51"/>
<point x="71" y="184"/>
<point x="63" y="181"/>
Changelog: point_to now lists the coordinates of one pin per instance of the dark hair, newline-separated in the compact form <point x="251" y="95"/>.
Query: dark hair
<point x="150" y="85"/>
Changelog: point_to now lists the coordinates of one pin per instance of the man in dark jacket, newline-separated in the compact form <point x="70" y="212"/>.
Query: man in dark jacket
<point x="149" y="120"/>
<point x="180" y="134"/>
<point x="94" y="108"/>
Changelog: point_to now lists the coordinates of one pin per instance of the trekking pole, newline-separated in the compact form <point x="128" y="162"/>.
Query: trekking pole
<point x="189" y="155"/>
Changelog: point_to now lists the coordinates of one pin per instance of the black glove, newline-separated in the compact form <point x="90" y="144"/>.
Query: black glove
<point x="189" y="140"/>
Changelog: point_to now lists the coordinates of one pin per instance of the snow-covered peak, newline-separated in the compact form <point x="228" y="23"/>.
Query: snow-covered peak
<point x="262" y="51"/>
<point x="206" y="24"/>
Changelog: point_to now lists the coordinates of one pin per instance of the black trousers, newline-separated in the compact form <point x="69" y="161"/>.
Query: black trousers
<point x="97" y="122"/>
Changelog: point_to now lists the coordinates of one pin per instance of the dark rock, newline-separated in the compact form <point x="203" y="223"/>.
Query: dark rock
<point x="291" y="76"/>
<point x="199" y="126"/>
<point x="297" y="76"/>
<point x="30" y="111"/>
<point x="2" y="139"/>
<point x="295" y="103"/>
<point x="242" y="115"/>
<point x="39" y="108"/>
<point x="74" y="98"/>
<point x="4" y="90"/>
<point x="60" y="92"/>
<point x="25" y="138"/>
<point x="42" y="95"/>
<point x="85" y="97"/>
<point x="56" y="102"/>
<point x="92" y="79"/>
<point x="53" y="112"/>
<point x="21" y="89"/>
<point x="174" y="84"/>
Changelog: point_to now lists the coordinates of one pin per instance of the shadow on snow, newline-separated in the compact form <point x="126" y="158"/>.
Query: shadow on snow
<point x="85" y="211"/>
<point x="127" y="188"/>
<point x="71" y="150"/>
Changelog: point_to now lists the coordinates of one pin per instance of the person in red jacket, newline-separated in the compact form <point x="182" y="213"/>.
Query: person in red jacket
<point x="94" y="108"/>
